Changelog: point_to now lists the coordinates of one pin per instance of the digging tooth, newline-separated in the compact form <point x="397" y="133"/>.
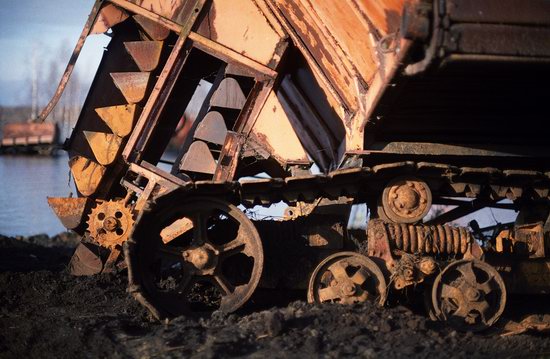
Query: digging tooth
<point x="69" y="210"/>
<point x="212" y="128"/>
<point x="120" y="119"/>
<point x="105" y="146"/>
<point x="228" y="95"/>
<point x="198" y="159"/>
<point x="146" y="54"/>
<point x="132" y="84"/>
<point x="86" y="173"/>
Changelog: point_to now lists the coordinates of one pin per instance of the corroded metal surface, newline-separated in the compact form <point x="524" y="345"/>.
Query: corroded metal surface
<point x="212" y="128"/>
<point x="109" y="223"/>
<point x="132" y="84"/>
<point x="105" y="146"/>
<point x="70" y="211"/>
<point x="436" y="240"/>
<point x="87" y="174"/>
<point x="242" y="26"/>
<point x="154" y="30"/>
<point x="280" y="89"/>
<point x="228" y="95"/>
<point x="198" y="159"/>
<point x="120" y="119"/>
<point x="406" y="200"/>
<point x="146" y="54"/>
<point x="347" y="278"/>
<point x="469" y="295"/>
<point x="86" y="260"/>
<point x="219" y="233"/>
<point x="108" y="16"/>
<point x="525" y="240"/>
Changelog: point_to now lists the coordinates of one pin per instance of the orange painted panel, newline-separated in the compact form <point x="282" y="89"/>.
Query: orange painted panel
<point x="350" y="30"/>
<point x="385" y="15"/>
<point x="241" y="26"/>
<point x="275" y="131"/>
<point x="316" y="38"/>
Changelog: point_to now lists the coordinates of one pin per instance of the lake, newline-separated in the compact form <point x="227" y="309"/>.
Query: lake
<point x="26" y="182"/>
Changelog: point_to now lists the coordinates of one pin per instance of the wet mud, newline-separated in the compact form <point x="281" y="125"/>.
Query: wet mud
<point x="46" y="313"/>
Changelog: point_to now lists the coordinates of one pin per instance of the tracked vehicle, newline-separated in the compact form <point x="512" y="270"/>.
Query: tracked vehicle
<point x="320" y="105"/>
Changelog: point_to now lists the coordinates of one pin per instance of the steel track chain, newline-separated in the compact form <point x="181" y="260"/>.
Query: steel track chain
<point x="362" y="183"/>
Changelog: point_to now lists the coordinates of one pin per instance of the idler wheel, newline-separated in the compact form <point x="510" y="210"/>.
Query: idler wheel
<point x="469" y="294"/>
<point x="347" y="278"/>
<point x="194" y="255"/>
<point x="406" y="200"/>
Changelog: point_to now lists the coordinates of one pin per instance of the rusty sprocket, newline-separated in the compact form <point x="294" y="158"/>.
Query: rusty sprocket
<point x="110" y="223"/>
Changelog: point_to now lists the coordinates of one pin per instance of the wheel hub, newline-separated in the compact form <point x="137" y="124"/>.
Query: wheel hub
<point x="203" y="258"/>
<point x="347" y="278"/>
<point x="472" y="294"/>
<point x="406" y="200"/>
<point x="349" y="289"/>
<point x="111" y="224"/>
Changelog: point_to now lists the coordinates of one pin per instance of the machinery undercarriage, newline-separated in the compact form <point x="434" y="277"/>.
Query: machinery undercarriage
<point x="431" y="117"/>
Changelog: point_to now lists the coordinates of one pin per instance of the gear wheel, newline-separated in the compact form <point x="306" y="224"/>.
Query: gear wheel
<point x="109" y="223"/>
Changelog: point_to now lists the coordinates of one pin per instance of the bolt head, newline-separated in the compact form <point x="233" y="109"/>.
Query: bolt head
<point x="472" y="294"/>
<point x="427" y="265"/>
<point x="348" y="289"/>
<point x="110" y="224"/>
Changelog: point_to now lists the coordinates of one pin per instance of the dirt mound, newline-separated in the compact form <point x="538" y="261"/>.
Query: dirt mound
<point x="46" y="313"/>
<point x="36" y="252"/>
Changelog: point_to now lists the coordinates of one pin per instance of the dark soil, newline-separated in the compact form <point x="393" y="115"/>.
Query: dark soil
<point x="46" y="313"/>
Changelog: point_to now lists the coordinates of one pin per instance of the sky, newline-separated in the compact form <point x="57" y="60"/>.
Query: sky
<point x="47" y="26"/>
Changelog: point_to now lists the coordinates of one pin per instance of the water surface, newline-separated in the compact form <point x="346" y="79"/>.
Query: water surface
<point x="26" y="181"/>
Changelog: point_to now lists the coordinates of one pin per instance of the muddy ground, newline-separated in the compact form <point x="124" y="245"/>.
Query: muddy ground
<point x="46" y="313"/>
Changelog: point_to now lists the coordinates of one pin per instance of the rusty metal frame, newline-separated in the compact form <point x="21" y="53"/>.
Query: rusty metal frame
<point x="203" y="111"/>
<point x="158" y="182"/>
<point x="326" y="84"/>
<point x="227" y="164"/>
<point x="125" y="4"/>
<point x="151" y="112"/>
<point x="440" y="149"/>
<point x="174" y="65"/>
<point x="149" y="117"/>
<point x="228" y="55"/>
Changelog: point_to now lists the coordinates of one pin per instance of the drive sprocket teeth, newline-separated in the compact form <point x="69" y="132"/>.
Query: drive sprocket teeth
<point x="110" y="223"/>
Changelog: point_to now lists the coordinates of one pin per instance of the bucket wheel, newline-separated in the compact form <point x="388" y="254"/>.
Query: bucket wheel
<point x="347" y="278"/>
<point x="469" y="294"/>
<point x="195" y="255"/>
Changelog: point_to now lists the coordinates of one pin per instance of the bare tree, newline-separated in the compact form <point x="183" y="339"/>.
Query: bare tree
<point x="36" y="73"/>
<point x="68" y="107"/>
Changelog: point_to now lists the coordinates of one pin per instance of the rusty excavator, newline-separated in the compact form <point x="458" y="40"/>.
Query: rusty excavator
<point x="398" y="105"/>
